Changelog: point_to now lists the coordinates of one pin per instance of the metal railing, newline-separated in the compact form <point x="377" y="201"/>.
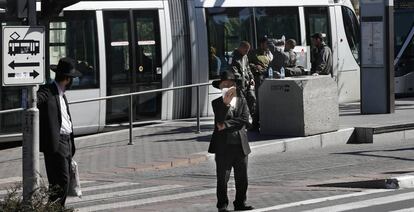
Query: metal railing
<point x="131" y="95"/>
<point x="11" y="110"/>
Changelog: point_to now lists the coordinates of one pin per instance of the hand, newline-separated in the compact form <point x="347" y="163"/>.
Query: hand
<point x="229" y="95"/>
<point x="220" y="126"/>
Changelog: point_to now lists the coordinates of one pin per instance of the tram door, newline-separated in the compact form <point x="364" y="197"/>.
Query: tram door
<point x="133" y="63"/>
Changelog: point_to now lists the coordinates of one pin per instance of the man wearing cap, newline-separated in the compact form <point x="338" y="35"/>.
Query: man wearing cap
<point x="259" y="59"/>
<point x="321" y="56"/>
<point x="240" y="64"/>
<point x="229" y="141"/>
<point x="56" y="129"/>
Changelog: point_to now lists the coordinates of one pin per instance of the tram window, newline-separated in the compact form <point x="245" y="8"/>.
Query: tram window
<point x="317" y="20"/>
<point x="148" y="46"/>
<point x="74" y="36"/>
<point x="278" y="22"/>
<point x="227" y="27"/>
<point x="405" y="20"/>
<point x="352" y="31"/>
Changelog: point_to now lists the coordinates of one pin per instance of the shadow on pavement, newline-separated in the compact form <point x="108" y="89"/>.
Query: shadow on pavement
<point x="372" y="184"/>
<point x="371" y="153"/>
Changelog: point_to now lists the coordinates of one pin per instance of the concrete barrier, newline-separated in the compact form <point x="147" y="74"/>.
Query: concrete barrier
<point x="298" y="106"/>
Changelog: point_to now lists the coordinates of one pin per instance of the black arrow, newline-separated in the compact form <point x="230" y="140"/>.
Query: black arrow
<point x="13" y="64"/>
<point x="33" y="74"/>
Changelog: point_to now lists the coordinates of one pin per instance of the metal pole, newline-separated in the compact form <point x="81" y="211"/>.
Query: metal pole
<point x="30" y="149"/>
<point x="198" y="110"/>
<point x="130" y="119"/>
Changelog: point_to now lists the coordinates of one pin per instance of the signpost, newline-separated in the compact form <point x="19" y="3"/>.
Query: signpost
<point x="23" y="65"/>
<point x="23" y="55"/>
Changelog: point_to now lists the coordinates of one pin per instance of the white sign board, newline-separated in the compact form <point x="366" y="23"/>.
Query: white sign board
<point x="23" y="55"/>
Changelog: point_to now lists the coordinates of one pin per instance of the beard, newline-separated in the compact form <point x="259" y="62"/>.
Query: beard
<point x="69" y="85"/>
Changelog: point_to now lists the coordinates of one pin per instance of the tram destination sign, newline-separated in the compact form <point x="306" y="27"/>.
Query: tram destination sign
<point x="23" y="55"/>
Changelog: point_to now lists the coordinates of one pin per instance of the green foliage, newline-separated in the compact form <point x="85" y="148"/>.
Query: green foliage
<point x="13" y="201"/>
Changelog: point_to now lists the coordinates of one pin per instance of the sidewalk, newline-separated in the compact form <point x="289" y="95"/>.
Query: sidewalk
<point x="175" y="143"/>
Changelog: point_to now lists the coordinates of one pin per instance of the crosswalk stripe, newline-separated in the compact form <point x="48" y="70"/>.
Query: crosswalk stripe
<point x="365" y="203"/>
<point x="122" y="193"/>
<point x="10" y="180"/>
<point x="323" y="199"/>
<point x="107" y="186"/>
<point x="4" y="192"/>
<point x="405" y="210"/>
<point x="147" y="201"/>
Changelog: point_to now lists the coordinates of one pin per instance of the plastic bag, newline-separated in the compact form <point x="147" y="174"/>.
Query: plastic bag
<point x="74" y="184"/>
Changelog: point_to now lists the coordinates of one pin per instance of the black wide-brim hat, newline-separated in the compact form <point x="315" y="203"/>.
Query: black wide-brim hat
<point x="67" y="67"/>
<point x="227" y="75"/>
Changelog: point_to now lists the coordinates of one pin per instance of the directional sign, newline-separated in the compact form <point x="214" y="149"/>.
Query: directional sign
<point x="23" y="55"/>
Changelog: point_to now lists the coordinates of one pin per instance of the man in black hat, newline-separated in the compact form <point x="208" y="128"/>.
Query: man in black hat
<point x="230" y="142"/>
<point x="56" y="129"/>
<point x="321" y="56"/>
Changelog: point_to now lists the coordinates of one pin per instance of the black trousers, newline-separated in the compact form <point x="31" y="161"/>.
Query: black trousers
<point x="251" y="104"/>
<point x="232" y="158"/>
<point x="258" y="82"/>
<point x="58" y="170"/>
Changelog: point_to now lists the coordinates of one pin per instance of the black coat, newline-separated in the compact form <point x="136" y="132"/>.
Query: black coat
<point x="235" y="125"/>
<point x="51" y="118"/>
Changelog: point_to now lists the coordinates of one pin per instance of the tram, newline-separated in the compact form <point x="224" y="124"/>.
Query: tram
<point x="127" y="46"/>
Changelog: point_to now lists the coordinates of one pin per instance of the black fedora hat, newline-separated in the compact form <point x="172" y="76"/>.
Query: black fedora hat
<point x="67" y="67"/>
<point x="226" y="75"/>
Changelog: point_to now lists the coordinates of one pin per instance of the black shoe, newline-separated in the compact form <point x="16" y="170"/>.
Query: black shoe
<point x="223" y="210"/>
<point x="243" y="208"/>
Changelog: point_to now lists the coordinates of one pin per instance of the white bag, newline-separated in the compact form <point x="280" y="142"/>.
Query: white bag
<point x="74" y="184"/>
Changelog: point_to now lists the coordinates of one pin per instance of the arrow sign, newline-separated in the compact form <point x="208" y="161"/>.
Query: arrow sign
<point x="33" y="74"/>
<point x="13" y="64"/>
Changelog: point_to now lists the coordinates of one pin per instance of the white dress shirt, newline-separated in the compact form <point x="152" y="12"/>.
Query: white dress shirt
<point x="66" y="127"/>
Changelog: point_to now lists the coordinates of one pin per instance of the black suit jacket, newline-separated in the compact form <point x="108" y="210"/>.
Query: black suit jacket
<point x="235" y="125"/>
<point x="51" y="119"/>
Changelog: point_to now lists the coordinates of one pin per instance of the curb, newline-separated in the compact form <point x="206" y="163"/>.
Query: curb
<point x="340" y="137"/>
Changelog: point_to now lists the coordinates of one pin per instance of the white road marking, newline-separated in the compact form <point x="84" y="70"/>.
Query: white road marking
<point x="4" y="192"/>
<point x="323" y="199"/>
<point x="366" y="203"/>
<point x="107" y="186"/>
<point x="11" y="180"/>
<point x="121" y="193"/>
<point x="405" y="210"/>
<point x="147" y="201"/>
